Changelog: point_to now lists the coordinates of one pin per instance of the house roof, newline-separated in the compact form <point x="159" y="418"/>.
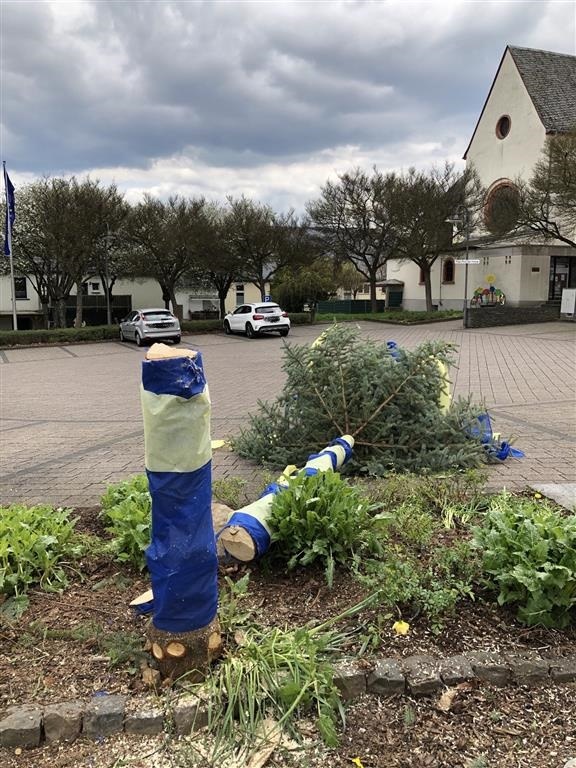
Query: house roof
<point x="550" y="81"/>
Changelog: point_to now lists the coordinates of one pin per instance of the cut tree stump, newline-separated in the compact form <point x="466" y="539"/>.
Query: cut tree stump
<point x="185" y="653"/>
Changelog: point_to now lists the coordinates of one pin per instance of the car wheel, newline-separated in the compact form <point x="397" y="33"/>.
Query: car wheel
<point x="250" y="332"/>
<point x="285" y="332"/>
<point x="177" y="339"/>
<point x="138" y="339"/>
<point x="227" y="329"/>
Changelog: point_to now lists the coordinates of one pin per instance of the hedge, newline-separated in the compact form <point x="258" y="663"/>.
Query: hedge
<point x="107" y="332"/>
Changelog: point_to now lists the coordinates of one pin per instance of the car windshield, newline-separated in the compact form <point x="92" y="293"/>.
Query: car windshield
<point x="161" y="314"/>
<point x="268" y="309"/>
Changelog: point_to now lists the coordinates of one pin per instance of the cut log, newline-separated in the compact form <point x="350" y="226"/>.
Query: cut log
<point x="157" y="651"/>
<point x="238" y="543"/>
<point x="186" y="653"/>
<point x="163" y="352"/>
<point x="177" y="650"/>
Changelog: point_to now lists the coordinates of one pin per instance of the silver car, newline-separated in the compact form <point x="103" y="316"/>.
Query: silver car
<point x="143" y="325"/>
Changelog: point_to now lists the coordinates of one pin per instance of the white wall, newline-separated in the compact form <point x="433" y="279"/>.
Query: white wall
<point x="516" y="154"/>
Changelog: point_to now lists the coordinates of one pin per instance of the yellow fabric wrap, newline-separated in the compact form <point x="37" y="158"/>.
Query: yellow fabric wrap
<point x="168" y="423"/>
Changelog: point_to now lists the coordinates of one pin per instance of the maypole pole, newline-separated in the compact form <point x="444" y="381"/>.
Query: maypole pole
<point x="184" y="632"/>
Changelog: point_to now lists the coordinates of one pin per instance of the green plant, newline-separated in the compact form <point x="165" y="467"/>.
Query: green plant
<point x="231" y="611"/>
<point x="275" y="673"/>
<point x="343" y="384"/>
<point x="529" y="556"/>
<point x="321" y="518"/>
<point x="36" y="546"/>
<point x="127" y="511"/>
<point x="230" y="491"/>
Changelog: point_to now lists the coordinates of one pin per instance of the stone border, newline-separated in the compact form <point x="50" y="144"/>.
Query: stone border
<point x="104" y="715"/>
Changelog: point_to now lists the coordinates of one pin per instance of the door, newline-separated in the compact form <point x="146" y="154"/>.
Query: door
<point x="559" y="276"/>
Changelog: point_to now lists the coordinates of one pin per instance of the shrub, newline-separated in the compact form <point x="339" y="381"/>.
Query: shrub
<point x="127" y="511"/>
<point x="321" y="518"/>
<point x="58" y="335"/>
<point x="529" y="556"/>
<point x="35" y="543"/>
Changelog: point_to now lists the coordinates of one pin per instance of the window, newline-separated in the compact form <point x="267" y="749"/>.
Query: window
<point x="503" y="126"/>
<point x="95" y="287"/>
<point x="508" y="259"/>
<point x="485" y="261"/>
<point x="448" y="271"/>
<point x="501" y="208"/>
<point x="20" y="288"/>
<point x="239" y="294"/>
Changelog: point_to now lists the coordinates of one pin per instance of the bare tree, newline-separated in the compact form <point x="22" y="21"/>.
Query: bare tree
<point x="422" y="202"/>
<point x="262" y="240"/>
<point x="547" y="204"/>
<point x="166" y="240"/>
<point x="354" y="218"/>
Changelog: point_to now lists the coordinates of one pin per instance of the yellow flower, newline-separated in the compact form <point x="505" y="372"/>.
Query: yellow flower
<point x="401" y="627"/>
<point x="357" y="762"/>
<point x="537" y="495"/>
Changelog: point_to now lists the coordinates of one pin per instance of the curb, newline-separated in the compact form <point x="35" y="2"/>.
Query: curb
<point x="30" y="726"/>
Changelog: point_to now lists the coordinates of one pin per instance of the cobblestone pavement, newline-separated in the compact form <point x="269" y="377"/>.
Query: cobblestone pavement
<point x="71" y="422"/>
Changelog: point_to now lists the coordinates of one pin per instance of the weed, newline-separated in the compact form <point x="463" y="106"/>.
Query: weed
<point x="127" y="510"/>
<point x="321" y="518"/>
<point x="36" y="547"/>
<point x="230" y="491"/>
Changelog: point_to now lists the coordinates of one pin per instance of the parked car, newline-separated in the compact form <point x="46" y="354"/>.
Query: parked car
<point x="143" y="325"/>
<point x="256" y="319"/>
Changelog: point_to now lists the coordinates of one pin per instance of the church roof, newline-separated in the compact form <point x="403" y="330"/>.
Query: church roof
<point x="550" y="81"/>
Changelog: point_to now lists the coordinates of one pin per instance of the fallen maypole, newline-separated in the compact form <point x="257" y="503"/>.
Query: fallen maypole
<point x="246" y="535"/>
<point x="184" y="633"/>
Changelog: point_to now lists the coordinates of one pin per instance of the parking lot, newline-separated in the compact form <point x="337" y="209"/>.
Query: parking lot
<point x="71" y="421"/>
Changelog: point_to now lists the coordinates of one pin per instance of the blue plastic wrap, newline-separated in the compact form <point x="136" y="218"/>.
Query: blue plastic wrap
<point x="254" y="527"/>
<point x="182" y="556"/>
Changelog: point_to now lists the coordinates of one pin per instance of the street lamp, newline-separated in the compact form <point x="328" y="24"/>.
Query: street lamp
<point x="462" y="217"/>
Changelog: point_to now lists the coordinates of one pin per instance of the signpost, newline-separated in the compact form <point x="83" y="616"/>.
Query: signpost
<point x="466" y="261"/>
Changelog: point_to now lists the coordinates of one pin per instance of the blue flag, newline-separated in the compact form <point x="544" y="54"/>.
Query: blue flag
<point x="10" y="213"/>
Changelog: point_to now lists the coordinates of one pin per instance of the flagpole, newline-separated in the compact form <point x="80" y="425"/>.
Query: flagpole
<point x="9" y="239"/>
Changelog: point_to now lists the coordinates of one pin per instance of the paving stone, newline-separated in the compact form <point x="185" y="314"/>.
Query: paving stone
<point x="63" y="722"/>
<point x="528" y="669"/>
<point x="190" y="714"/>
<point x="563" y="669"/>
<point x="422" y="674"/>
<point x="386" y="678"/>
<point x="103" y="716"/>
<point x="489" y="666"/>
<point x="145" y="722"/>
<point x="350" y="679"/>
<point x="22" y="727"/>
<point x="455" y="670"/>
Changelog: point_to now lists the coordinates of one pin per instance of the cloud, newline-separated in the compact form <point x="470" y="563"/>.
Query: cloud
<point x="269" y="97"/>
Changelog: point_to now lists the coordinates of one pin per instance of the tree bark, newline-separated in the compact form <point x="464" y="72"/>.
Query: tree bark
<point x="79" y="305"/>
<point x="185" y="653"/>
<point x="61" y="313"/>
<point x="373" y="299"/>
<point x="428" y="289"/>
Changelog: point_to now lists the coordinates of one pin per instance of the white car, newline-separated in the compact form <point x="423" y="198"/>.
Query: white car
<point x="257" y="319"/>
<point x="143" y="325"/>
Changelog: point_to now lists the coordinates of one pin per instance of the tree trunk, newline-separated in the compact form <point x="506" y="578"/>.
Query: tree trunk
<point x="45" y="313"/>
<point x="428" y="288"/>
<point x="176" y="309"/>
<point x="222" y="302"/>
<point x="165" y="296"/>
<point x="79" y="307"/>
<point x="373" y="300"/>
<point x="185" y="653"/>
<point x="61" y="313"/>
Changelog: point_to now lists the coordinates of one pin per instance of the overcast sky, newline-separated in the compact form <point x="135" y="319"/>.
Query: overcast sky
<point x="267" y="98"/>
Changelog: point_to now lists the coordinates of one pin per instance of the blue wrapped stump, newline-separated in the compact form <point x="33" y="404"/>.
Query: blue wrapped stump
<point x="184" y="632"/>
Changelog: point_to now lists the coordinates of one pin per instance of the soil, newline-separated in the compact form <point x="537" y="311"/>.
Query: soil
<point x="61" y="648"/>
